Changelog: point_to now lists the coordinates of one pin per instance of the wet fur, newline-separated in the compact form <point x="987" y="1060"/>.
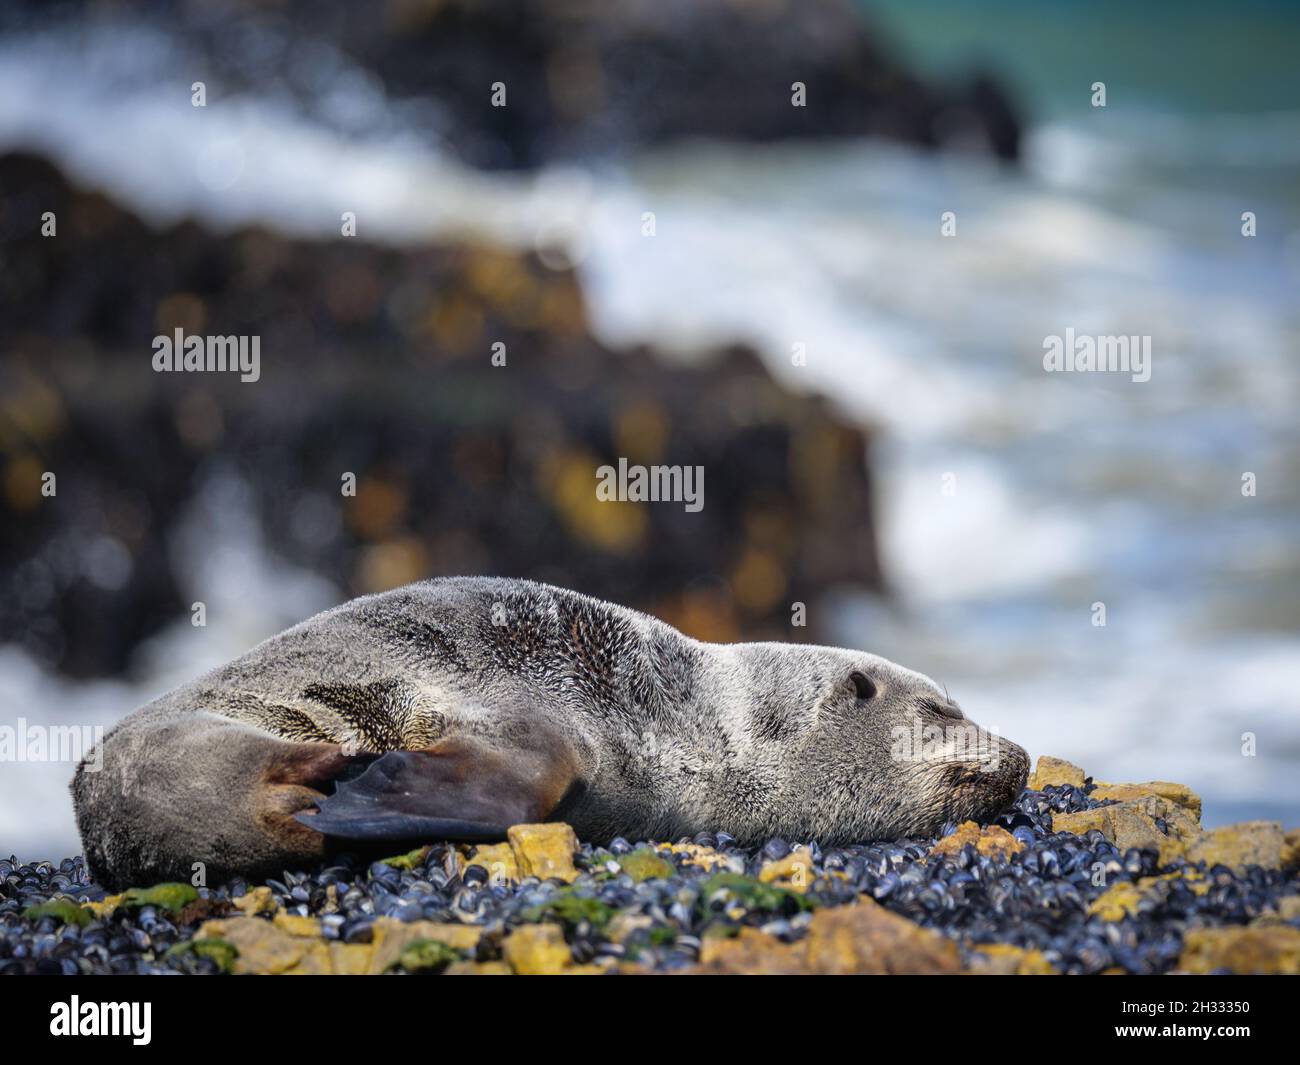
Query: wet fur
<point x="645" y="732"/>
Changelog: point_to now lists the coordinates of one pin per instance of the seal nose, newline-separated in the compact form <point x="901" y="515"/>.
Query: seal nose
<point x="1012" y="770"/>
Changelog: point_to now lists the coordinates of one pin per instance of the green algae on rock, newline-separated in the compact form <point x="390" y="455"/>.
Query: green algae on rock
<point x="166" y="896"/>
<point x="571" y="908"/>
<point x="644" y="864"/>
<point x="724" y="908"/>
<point x="64" y="910"/>
<point x="410" y="859"/>
<point x="752" y="894"/>
<point x="426" y="955"/>
<point x="220" y="951"/>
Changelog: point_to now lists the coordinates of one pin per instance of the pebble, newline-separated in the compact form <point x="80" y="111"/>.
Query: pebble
<point x="1034" y="900"/>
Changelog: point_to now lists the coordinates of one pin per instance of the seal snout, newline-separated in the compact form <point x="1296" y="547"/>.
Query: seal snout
<point x="1000" y="781"/>
<point x="987" y="781"/>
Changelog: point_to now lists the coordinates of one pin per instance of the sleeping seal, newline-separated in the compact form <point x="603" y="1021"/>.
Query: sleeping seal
<point x="454" y="708"/>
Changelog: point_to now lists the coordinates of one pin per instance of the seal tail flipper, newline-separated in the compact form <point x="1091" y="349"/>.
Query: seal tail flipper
<point x="171" y="791"/>
<point x="460" y="788"/>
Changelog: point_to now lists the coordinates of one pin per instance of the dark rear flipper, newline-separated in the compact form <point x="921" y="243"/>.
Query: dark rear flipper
<point x="460" y="788"/>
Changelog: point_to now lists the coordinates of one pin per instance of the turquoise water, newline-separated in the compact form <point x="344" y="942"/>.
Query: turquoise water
<point x="1169" y="55"/>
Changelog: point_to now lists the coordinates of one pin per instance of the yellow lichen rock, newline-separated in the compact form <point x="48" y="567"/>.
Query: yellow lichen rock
<point x="860" y="938"/>
<point x="349" y="959"/>
<point x="1264" y="951"/>
<point x="1288" y="907"/>
<point x="1178" y="794"/>
<point x="750" y="951"/>
<point x="1291" y="849"/>
<point x="1124" y="898"/>
<point x="389" y="937"/>
<point x="291" y="945"/>
<point x="257" y="901"/>
<point x="1133" y="824"/>
<point x="477" y="968"/>
<point x="1002" y="959"/>
<point x="297" y="926"/>
<point x="1248" y="843"/>
<point x="544" y="850"/>
<point x="497" y="858"/>
<point x="794" y="871"/>
<point x="991" y="840"/>
<point x="1055" y="771"/>
<point x="537" y="950"/>
<point x="105" y="906"/>
<point x="1116" y="902"/>
<point x="266" y="949"/>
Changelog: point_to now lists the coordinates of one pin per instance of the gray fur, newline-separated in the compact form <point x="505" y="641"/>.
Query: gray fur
<point x="669" y="736"/>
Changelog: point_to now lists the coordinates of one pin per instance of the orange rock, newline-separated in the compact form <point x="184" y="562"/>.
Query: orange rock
<point x="1274" y="950"/>
<point x="1051" y="770"/>
<point x="1178" y="794"/>
<point x="863" y="938"/>
<point x="989" y="840"/>
<point x="537" y="950"/>
<point x="545" y="850"/>
<point x="1002" y="959"/>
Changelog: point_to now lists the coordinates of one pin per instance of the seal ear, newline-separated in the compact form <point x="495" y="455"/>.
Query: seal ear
<point x="460" y="788"/>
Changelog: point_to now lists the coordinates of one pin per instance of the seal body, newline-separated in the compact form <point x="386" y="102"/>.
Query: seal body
<point x="456" y="707"/>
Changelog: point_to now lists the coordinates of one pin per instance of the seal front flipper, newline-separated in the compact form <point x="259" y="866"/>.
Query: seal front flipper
<point x="461" y="788"/>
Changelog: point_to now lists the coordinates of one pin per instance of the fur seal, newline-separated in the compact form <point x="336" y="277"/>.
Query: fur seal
<point x="456" y="707"/>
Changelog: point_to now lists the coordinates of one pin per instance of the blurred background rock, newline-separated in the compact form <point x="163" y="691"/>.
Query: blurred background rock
<point x="377" y="363"/>
<point x="584" y="78"/>
<point x="775" y="226"/>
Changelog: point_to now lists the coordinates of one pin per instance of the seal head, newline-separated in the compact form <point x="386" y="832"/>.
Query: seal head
<point x="858" y="747"/>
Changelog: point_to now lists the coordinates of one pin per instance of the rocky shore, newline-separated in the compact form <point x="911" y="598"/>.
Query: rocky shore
<point x="1079" y="877"/>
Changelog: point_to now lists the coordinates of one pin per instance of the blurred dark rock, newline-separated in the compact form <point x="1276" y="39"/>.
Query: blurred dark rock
<point x="583" y="78"/>
<point x="378" y="362"/>
<point x="587" y="76"/>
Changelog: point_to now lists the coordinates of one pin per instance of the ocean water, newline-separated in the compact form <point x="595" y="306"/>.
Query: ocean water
<point x="1010" y="500"/>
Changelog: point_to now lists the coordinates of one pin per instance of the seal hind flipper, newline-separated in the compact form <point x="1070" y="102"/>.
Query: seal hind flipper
<point x="173" y="790"/>
<point x="460" y="788"/>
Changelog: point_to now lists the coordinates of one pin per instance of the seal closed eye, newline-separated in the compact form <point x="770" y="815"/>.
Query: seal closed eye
<point x="454" y="708"/>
